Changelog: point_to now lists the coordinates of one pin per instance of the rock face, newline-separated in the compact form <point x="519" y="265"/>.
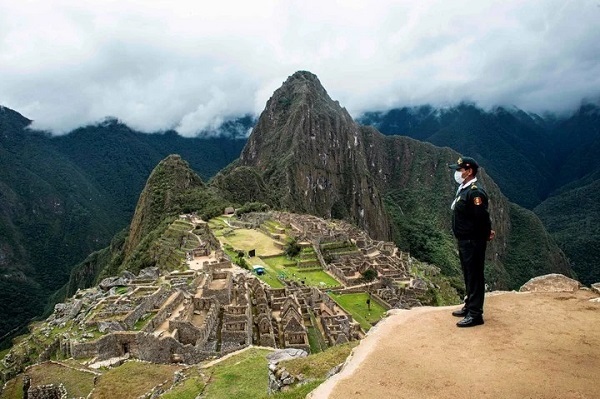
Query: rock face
<point x="311" y="152"/>
<point x="551" y="283"/>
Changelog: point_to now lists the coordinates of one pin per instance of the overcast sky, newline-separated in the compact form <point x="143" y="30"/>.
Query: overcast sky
<point x="190" y="65"/>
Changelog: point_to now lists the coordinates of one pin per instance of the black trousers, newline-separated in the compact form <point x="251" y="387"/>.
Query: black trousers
<point x="472" y="259"/>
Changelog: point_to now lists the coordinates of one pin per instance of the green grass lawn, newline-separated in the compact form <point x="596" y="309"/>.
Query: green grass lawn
<point x="242" y="376"/>
<point x="77" y="383"/>
<point x="312" y="277"/>
<point x="247" y="239"/>
<point x="132" y="379"/>
<point x="189" y="388"/>
<point x="270" y="276"/>
<point x="356" y="305"/>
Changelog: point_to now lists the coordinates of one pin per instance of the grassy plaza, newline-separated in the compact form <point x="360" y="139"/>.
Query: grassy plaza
<point x="248" y="239"/>
<point x="286" y="268"/>
<point x="356" y="305"/>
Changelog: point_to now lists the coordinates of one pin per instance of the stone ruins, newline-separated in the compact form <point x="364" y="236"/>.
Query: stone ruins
<point x="211" y="307"/>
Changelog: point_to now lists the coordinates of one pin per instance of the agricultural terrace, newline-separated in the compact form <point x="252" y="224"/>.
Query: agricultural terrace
<point x="356" y="305"/>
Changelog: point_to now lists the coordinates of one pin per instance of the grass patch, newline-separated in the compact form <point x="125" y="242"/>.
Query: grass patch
<point x="247" y="239"/>
<point x="13" y="388"/>
<point x="297" y="392"/>
<point x="188" y="389"/>
<point x="270" y="275"/>
<point x="142" y="321"/>
<point x="242" y="376"/>
<point x="356" y="305"/>
<point x="77" y="383"/>
<point x="132" y="379"/>
<point x="318" y="365"/>
<point x="313" y="277"/>
<point x="314" y="340"/>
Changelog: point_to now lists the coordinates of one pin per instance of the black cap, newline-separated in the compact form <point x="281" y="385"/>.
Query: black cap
<point x="464" y="163"/>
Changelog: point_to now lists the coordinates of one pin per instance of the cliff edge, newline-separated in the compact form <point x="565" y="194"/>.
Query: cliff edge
<point x="534" y="344"/>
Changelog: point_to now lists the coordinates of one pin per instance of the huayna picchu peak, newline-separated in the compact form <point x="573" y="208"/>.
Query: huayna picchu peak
<point x="308" y="149"/>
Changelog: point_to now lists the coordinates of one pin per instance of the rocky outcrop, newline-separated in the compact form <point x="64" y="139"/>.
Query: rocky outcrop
<point x="551" y="283"/>
<point x="279" y="377"/>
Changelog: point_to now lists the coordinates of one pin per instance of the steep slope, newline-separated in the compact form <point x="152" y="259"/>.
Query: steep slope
<point x="161" y="197"/>
<point x="51" y="216"/>
<point x="576" y="145"/>
<point x="513" y="146"/>
<point x="118" y="159"/>
<point x="308" y="150"/>
<point x="573" y="218"/>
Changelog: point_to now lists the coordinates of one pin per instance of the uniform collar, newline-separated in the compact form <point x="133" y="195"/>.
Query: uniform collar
<point x="463" y="186"/>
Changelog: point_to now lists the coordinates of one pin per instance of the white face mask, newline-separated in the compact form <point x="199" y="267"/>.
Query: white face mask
<point x="458" y="177"/>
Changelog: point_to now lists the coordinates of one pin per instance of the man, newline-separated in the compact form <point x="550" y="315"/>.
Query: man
<point x="472" y="228"/>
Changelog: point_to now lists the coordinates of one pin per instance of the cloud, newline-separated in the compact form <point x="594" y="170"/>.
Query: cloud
<point x="191" y="65"/>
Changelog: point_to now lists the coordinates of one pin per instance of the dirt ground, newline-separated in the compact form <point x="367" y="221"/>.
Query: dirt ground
<point x="533" y="345"/>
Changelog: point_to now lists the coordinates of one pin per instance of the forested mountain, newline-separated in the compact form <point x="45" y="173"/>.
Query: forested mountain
<point x="512" y="145"/>
<point x="548" y="163"/>
<point x="63" y="197"/>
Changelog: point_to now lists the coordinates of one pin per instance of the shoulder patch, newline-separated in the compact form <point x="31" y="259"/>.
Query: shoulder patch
<point x="473" y="187"/>
<point x="477" y="201"/>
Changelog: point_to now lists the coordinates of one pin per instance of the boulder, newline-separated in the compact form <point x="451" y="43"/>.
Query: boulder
<point x="596" y="288"/>
<point x="128" y="275"/>
<point x="110" y="282"/>
<point x="551" y="283"/>
<point x="109" y="326"/>
<point x="285" y="354"/>
<point x="149" y="273"/>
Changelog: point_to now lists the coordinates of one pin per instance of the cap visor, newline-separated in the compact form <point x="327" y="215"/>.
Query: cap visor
<point x="454" y="166"/>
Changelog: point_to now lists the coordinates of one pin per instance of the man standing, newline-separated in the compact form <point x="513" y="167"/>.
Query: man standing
<point x="472" y="228"/>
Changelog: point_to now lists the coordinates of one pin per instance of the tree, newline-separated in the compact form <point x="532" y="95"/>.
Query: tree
<point x="368" y="276"/>
<point x="292" y="248"/>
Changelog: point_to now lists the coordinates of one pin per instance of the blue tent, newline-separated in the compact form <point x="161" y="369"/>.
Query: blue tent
<point x="258" y="269"/>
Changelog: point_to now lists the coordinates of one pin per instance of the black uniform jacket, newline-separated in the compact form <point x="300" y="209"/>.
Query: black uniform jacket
<point x="471" y="220"/>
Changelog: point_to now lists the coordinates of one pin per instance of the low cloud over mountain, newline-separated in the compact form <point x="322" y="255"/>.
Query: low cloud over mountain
<point x="192" y="66"/>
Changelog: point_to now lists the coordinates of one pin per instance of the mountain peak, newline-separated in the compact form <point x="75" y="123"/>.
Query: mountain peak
<point x="10" y="119"/>
<point x="310" y="150"/>
<point x="304" y="82"/>
<point x="160" y="197"/>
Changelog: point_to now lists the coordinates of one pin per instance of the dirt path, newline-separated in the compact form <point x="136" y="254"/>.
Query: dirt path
<point x="536" y="345"/>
